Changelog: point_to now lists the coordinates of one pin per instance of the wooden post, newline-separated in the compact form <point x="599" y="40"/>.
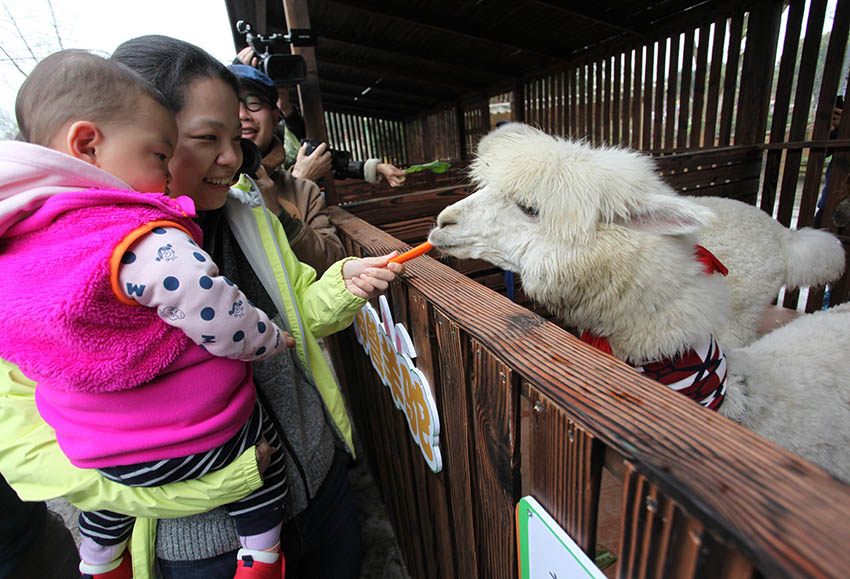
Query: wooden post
<point x="309" y="95"/>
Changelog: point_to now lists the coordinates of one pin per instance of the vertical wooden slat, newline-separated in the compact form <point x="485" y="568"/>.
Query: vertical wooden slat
<point x="582" y="100"/>
<point x="454" y="439"/>
<point x="494" y="399"/>
<point x="597" y="106"/>
<point x="787" y="66"/>
<point x="649" y="69"/>
<point x="557" y="108"/>
<point x="711" y="110"/>
<point x="424" y="338"/>
<point x="550" y="104"/>
<point x="658" y="125"/>
<point x="685" y="93"/>
<point x="800" y="116"/>
<point x="730" y="84"/>
<point x="365" y="137"/>
<point x="615" y="105"/>
<point x="757" y="71"/>
<point x="823" y="114"/>
<point x="636" y="97"/>
<point x="835" y="56"/>
<point x="574" y="130"/>
<point x="699" y="88"/>
<point x="565" y="464"/>
<point x="626" y="136"/>
<point x="672" y="90"/>
<point x="589" y="98"/>
<point x="605" y="102"/>
<point x="518" y="104"/>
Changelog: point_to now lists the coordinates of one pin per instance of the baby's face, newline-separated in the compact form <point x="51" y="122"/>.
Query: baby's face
<point x="138" y="149"/>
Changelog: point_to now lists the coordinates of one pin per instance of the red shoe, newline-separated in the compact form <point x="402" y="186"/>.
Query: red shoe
<point x="122" y="571"/>
<point x="248" y="568"/>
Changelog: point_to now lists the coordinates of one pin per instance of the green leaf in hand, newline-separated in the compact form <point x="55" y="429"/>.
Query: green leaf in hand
<point x="434" y="166"/>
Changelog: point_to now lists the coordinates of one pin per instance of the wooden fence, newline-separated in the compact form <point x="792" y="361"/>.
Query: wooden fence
<point x="526" y="409"/>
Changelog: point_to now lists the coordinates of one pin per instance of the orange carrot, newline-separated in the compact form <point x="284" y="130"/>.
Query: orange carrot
<point x="420" y="249"/>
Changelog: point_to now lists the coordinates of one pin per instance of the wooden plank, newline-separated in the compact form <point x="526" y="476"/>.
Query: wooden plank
<point x="757" y="71"/>
<point x="574" y="104"/>
<point x="565" y="469"/>
<point x="392" y="209"/>
<point x="582" y="101"/>
<point x="557" y="104"/>
<point x="413" y="482"/>
<point x="636" y="97"/>
<point x="455" y="440"/>
<point x="606" y="101"/>
<point x="699" y="88"/>
<point x="685" y="92"/>
<point x="828" y="89"/>
<point x="781" y="103"/>
<point x="715" y="175"/>
<point x="785" y="514"/>
<point x="649" y="68"/>
<point x="494" y="405"/>
<point x="616" y="129"/>
<point x="424" y="336"/>
<point x="626" y="134"/>
<point x="672" y="89"/>
<point x="730" y="81"/>
<point x="597" y="105"/>
<point x="712" y="101"/>
<point x="660" y="68"/>
<point x="799" y="118"/>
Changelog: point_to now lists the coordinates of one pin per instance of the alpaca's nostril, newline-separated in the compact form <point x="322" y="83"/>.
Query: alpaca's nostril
<point x="445" y="221"/>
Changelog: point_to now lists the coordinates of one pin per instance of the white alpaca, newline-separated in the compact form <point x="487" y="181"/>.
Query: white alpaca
<point x="599" y="239"/>
<point x="762" y="256"/>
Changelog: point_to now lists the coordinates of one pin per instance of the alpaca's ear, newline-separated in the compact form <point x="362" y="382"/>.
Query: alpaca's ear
<point x="668" y="215"/>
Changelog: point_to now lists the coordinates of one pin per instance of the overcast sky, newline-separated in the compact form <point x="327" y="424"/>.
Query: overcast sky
<point x="101" y="25"/>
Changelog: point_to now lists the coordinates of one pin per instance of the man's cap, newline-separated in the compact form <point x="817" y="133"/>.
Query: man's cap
<point x="255" y="80"/>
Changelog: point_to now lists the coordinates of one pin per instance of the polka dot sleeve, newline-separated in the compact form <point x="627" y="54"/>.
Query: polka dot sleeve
<point x="166" y="270"/>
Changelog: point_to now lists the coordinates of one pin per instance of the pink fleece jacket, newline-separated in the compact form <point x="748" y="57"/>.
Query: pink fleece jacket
<point x="118" y="384"/>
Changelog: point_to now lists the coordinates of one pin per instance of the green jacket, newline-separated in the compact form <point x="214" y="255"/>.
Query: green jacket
<point x="35" y="467"/>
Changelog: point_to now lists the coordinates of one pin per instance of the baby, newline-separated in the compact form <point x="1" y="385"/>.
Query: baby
<point x="140" y="349"/>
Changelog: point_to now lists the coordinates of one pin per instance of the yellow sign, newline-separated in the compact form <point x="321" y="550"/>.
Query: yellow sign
<point x="391" y="350"/>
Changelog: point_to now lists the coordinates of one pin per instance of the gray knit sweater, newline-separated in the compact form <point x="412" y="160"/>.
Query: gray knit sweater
<point x="296" y="404"/>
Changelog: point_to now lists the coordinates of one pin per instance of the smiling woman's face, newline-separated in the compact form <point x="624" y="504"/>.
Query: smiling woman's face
<point x="208" y="153"/>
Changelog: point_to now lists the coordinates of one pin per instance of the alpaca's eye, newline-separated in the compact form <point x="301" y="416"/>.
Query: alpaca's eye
<point x="530" y="211"/>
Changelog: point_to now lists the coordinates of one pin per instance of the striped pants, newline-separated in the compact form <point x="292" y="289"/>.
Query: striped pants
<point x="256" y="513"/>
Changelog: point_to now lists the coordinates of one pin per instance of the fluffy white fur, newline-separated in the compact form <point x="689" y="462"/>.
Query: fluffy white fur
<point x="762" y="256"/>
<point x="598" y="238"/>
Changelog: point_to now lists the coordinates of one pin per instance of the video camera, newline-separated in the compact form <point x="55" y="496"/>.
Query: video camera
<point x="272" y="52"/>
<point x="341" y="164"/>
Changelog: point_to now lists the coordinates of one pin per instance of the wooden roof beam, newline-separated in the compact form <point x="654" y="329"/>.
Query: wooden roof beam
<point x="378" y="91"/>
<point x="438" y="83"/>
<point x="618" y="25"/>
<point x="403" y="14"/>
<point x="340" y="48"/>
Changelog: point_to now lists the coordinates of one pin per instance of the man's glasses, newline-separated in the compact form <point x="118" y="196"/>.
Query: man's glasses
<point x="252" y="103"/>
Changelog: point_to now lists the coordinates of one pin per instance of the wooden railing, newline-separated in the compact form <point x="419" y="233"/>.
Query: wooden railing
<point x="526" y="409"/>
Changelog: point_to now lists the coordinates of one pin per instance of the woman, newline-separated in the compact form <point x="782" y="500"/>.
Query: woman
<point x="250" y="247"/>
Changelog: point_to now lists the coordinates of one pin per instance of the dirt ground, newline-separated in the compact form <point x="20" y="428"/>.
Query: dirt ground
<point x="381" y="555"/>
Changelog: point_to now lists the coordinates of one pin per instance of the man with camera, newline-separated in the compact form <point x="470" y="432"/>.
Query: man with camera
<point x="292" y="194"/>
<point x="298" y="202"/>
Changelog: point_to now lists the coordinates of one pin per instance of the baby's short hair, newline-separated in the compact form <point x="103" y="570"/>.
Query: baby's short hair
<point x="73" y="85"/>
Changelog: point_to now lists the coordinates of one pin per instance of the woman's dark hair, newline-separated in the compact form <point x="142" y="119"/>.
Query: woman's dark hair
<point x="171" y="65"/>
